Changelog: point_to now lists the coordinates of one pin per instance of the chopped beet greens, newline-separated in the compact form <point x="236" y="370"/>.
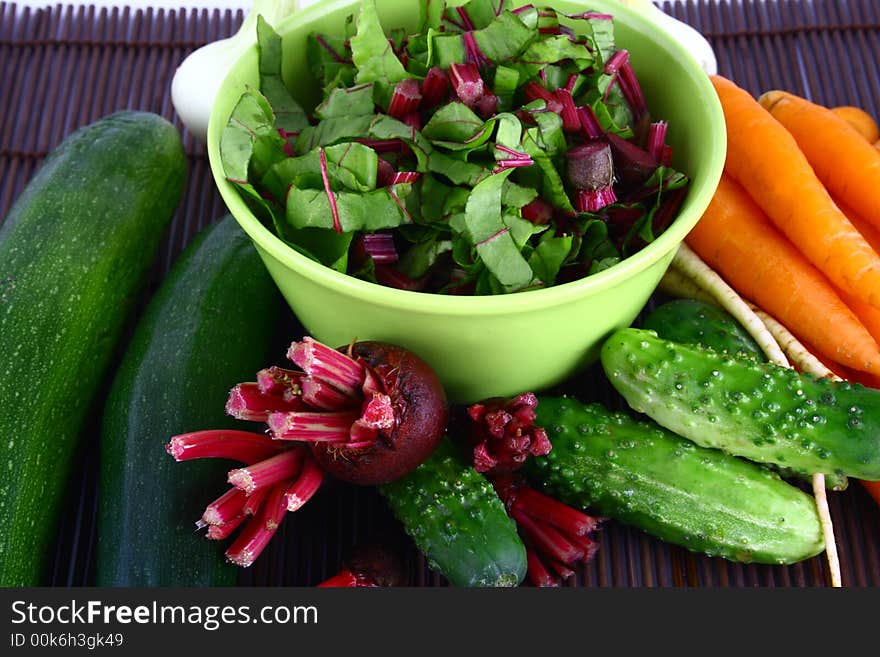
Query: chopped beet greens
<point x="495" y="150"/>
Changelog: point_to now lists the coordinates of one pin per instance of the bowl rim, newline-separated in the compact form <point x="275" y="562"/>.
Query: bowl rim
<point x="526" y="300"/>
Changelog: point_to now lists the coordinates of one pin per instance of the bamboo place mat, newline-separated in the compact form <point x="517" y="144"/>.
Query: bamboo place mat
<point x="63" y="66"/>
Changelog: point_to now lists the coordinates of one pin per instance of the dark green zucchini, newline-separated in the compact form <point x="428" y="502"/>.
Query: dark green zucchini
<point x="457" y="520"/>
<point x="75" y="253"/>
<point x="209" y="326"/>
<point x="702" y="499"/>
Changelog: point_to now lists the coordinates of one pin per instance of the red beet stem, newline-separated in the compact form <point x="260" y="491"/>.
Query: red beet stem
<point x="327" y="364"/>
<point x="267" y="473"/>
<point x="317" y="394"/>
<point x="561" y="569"/>
<point x="392" y="277"/>
<point x="537" y="572"/>
<point x="585" y="543"/>
<point x="657" y="139"/>
<point x="618" y="59"/>
<point x="312" y="426"/>
<point x="473" y="53"/>
<point x="380" y="246"/>
<point x="221" y="532"/>
<point x="331" y="197"/>
<point x="466" y="22"/>
<point x="592" y="15"/>
<point x="621" y="69"/>
<point x="594" y="200"/>
<point x="225" y="508"/>
<point x="632" y="90"/>
<point x="248" y="402"/>
<point x="516" y="155"/>
<point x="361" y="436"/>
<point x="343" y="579"/>
<point x="538" y="212"/>
<point x="278" y="379"/>
<point x="258" y="531"/>
<point x="467" y="83"/>
<point x="571" y="121"/>
<point x="535" y="91"/>
<point x="589" y="123"/>
<point x="399" y="203"/>
<point x="306" y="485"/>
<point x="435" y="87"/>
<point x="513" y="159"/>
<point x="413" y="120"/>
<point x="487" y="105"/>
<point x="405" y="98"/>
<point x="254" y="501"/>
<point x="563" y="517"/>
<point x="377" y="412"/>
<point x="244" y="446"/>
<point x="547" y="538"/>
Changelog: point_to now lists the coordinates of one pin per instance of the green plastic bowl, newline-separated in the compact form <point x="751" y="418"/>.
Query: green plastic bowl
<point x="499" y="345"/>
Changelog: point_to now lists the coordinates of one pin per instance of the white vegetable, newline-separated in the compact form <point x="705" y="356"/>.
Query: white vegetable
<point x="690" y="273"/>
<point x="198" y="78"/>
<point x="686" y="35"/>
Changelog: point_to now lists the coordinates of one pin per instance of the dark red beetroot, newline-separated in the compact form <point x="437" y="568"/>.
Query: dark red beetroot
<point x="420" y="416"/>
<point x="590" y="171"/>
<point x="369" y="566"/>
<point x="367" y="414"/>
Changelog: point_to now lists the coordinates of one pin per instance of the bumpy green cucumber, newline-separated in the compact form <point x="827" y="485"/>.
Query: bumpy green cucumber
<point x="75" y="252"/>
<point x="702" y="499"/>
<point x="760" y="411"/>
<point x="208" y="327"/>
<point x="458" y="521"/>
<point x="695" y="322"/>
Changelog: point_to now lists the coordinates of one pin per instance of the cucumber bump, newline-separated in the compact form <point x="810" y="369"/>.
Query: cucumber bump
<point x="457" y="520"/>
<point x="759" y="411"/>
<point x="702" y="499"/>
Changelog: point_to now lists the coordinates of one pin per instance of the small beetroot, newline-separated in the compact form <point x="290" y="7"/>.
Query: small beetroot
<point x="590" y="171"/>
<point x="367" y="414"/>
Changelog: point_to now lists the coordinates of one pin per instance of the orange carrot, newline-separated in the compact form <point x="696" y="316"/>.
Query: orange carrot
<point x="846" y="163"/>
<point x="859" y="119"/>
<point x="737" y="240"/>
<point x="764" y="157"/>
<point x="868" y="315"/>
<point x="868" y="230"/>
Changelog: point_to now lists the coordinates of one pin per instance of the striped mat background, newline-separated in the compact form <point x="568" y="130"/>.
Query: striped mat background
<point x="63" y="66"/>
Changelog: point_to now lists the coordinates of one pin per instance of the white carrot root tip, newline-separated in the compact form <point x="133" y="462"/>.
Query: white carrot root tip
<point x="691" y="265"/>
<point x="676" y="284"/>
<point x="775" y="340"/>
<point x="819" y="492"/>
<point x="793" y="348"/>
